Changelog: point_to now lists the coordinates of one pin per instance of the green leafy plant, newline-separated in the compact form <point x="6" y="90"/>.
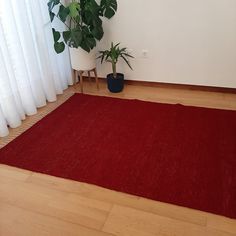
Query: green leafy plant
<point x="113" y="54"/>
<point x="83" y="21"/>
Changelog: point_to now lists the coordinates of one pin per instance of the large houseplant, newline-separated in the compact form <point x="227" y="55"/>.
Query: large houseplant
<point x="83" y="21"/>
<point x="115" y="81"/>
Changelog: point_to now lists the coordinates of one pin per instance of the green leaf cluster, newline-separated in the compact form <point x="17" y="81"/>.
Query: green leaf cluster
<point x="83" y="21"/>
<point x="113" y="54"/>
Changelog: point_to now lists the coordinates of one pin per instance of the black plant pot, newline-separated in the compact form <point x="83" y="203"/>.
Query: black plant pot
<point x="115" y="85"/>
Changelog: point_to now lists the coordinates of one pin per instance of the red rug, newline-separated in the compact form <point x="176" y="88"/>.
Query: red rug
<point x="170" y="153"/>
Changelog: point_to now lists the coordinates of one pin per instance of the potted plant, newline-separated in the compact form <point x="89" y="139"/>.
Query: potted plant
<point x="115" y="81"/>
<point x="83" y="21"/>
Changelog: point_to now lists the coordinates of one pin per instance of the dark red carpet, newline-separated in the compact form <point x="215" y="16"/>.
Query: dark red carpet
<point x="171" y="153"/>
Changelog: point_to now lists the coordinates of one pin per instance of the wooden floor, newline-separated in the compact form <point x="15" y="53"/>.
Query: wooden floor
<point x="33" y="204"/>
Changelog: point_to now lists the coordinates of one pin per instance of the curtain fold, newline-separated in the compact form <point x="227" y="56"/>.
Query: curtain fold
<point x="31" y="73"/>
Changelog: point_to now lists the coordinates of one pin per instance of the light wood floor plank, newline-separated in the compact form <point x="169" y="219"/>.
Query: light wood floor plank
<point x="113" y="197"/>
<point x="83" y="189"/>
<point x="170" y="95"/>
<point x="222" y="223"/>
<point x="172" y="211"/>
<point x="15" y="173"/>
<point x="62" y="205"/>
<point x="123" y="221"/>
<point x="17" y="221"/>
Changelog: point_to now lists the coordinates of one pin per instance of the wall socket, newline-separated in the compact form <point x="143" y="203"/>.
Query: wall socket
<point x="144" y="53"/>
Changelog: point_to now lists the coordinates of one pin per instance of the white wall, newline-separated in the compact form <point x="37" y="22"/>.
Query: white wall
<point x="188" y="41"/>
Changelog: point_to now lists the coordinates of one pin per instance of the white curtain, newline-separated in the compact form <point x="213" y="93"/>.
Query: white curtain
<point x="31" y="73"/>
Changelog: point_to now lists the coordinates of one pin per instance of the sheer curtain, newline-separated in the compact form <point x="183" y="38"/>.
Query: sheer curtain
<point x="31" y="73"/>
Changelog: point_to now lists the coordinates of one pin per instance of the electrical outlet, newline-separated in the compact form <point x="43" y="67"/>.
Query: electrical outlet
<point x="144" y="53"/>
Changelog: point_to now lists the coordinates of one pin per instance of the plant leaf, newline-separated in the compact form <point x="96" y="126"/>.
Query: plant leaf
<point x="52" y="3"/>
<point x="56" y="35"/>
<point x="66" y="36"/>
<point x="74" y="8"/>
<point x="52" y="15"/>
<point x="127" y="62"/>
<point x="109" y="8"/>
<point x="85" y="46"/>
<point x="59" y="47"/>
<point x="91" y="42"/>
<point x="63" y="13"/>
<point x="109" y="13"/>
<point x="97" y="32"/>
<point x="127" y="55"/>
<point x="76" y="37"/>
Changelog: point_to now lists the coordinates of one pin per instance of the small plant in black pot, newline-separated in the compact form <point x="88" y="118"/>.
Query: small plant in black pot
<point x="115" y="81"/>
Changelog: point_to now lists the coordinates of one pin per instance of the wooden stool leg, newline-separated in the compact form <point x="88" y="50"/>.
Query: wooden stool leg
<point x="89" y="75"/>
<point x="81" y="81"/>
<point x="96" y="77"/>
<point x="75" y="74"/>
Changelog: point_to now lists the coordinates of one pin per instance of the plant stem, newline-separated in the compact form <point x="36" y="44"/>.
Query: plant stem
<point x="114" y="69"/>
